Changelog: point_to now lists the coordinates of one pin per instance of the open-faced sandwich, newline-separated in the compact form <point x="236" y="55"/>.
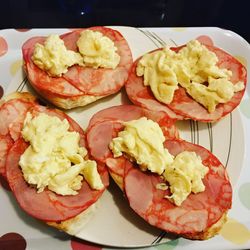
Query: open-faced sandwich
<point x="193" y="81"/>
<point x="79" y="67"/>
<point x="174" y="185"/>
<point x="46" y="163"/>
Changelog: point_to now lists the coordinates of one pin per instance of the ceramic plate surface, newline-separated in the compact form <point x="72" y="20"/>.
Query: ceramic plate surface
<point x="114" y="223"/>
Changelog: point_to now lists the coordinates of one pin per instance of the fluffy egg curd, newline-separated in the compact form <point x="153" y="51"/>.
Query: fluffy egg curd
<point x="53" y="57"/>
<point x="54" y="158"/>
<point x="195" y="68"/>
<point x="142" y="141"/>
<point x="97" y="50"/>
<point x="184" y="176"/>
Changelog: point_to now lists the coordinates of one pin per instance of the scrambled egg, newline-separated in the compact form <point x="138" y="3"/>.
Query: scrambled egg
<point x="54" y="158"/>
<point x="142" y="141"/>
<point x="53" y="57"/>
<point x="97" y="50"/>
<point x="194" y="68"/>
<point x="184" y="176"/>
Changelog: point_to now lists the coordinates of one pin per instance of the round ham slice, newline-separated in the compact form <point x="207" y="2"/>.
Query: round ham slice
<point x="99" y="136"/>
<point x="39" y="79"/>
<point x="100" y="81"/>
<point x="120" y="113"/>
<point x="142" y="95"/>
<point x="6" y="143"/>
<point x="12" y="113"/>
<point x="197" y="213"/>
<point x="28" y="47"/>
<point x="131" y="112"/>
<point x="79" y="81"/>
<point x="106" y="124"/>
<point x="47" y="205"/>
<point x="184" y="106"/>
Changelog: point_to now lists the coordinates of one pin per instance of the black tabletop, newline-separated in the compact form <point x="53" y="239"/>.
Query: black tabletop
<point x="231" y="15"/>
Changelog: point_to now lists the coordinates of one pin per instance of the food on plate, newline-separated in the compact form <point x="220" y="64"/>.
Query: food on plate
<point x="54" y="158"/>
<point x="105" y="124"/>
<point x="79" y="67"/>
<point x="13" y="109"/>
<point x="194" y="81"/>
<point x="142" y="141"/>
<point x="53" y="57"/>
<point x="177" y="186"/>
<point x="47" y="165"/>
<point x="201" y="215"/>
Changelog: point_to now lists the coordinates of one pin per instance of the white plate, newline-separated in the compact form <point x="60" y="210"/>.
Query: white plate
<point x="114" y="223"/>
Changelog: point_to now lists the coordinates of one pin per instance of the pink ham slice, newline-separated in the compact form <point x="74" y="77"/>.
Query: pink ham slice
<point x="117" y="165"/>
<point x="185" y="105"/>
<point x="106" y="124"/>
<point x="197" y="213"/>
<point x="80" y="80"/>
<point x="40" y="80"/>
<point x="120" y="113"/>
<point x="182" y="104"/>
<point x="28" y="47"/>
<point x="131" y="112"/>
<point x="142" y="95"/>
<point x="12" y="114"/>
<point x="100" y="81"/>
<point x="5" y="144"/>
<point x="47" y="205"/>
<point x="99" y="137"/>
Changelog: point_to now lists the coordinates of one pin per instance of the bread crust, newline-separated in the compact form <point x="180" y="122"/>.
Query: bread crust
<point x="68" y="102"/>
<point x="74" y="225"/>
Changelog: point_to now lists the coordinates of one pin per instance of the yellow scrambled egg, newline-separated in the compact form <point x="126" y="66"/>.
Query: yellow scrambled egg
<point x="142" y="141"/>
<point x="53" y="57"/>
<point x="97" y="50"/>
<point x="54" y="158"/>
<point x="195" y="68"/>
<point x="184" y="176"/>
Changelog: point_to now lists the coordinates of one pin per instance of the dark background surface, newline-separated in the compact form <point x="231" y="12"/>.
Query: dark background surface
<point x="233" y="15"/>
